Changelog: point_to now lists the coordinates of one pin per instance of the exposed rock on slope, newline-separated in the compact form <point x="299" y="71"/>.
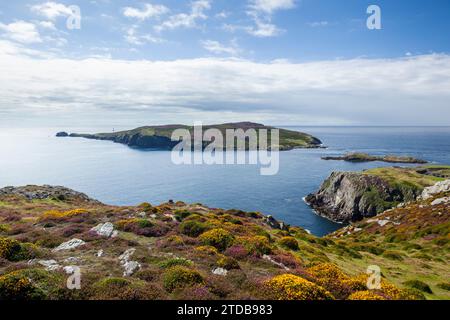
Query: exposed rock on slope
<point x="32" y="192"/>
<point x="352" y="196"/>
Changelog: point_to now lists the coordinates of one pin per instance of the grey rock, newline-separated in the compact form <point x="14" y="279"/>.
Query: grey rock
<point x="440" y="187"/>
<point x="220" y="272"/>
<point x="104" y="229"/>
<point x="69" y="245"/>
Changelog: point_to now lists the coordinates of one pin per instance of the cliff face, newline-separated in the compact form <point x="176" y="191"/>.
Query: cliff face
<point x="352" y="196"/>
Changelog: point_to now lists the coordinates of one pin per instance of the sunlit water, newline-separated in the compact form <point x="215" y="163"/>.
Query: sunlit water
<point x="117" y="174"/>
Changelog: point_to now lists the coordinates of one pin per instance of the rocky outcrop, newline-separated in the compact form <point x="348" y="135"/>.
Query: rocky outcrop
<point x="69" y="245"/>
<point x="352" y="196"/>
<point x="440" y="187"/>
<point x="104" y="230"/>
<point x="62" y="134"/>
<point x="130" y="267"/>
<point x="32" y="192"/>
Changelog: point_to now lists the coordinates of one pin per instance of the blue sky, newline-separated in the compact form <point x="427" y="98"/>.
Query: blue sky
<point x="279" y="61"/>
<point x="305" y="30"/>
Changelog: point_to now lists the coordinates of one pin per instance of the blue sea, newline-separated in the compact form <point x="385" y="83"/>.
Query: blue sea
<point x="119" y="175"/>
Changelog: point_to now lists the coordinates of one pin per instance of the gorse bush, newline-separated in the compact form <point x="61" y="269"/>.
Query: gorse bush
<point x="180" y="277"/>
<point x="258" y="245"/>
<point x="289" y="243"/>
<point x="291" y="287"/>
<point x="219" y="238"/>
<point x="13" y="250"/>
<point x="17" y="286"/>
<point x="227" y="263"/>
<point x="192" y="228"/>
<point x="365" y="295"/>
<point x="61" y="215"/>
<point x="419" y="285"/>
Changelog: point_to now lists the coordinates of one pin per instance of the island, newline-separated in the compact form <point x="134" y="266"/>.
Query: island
<point x="159" y="137"/>
<point x="364" y="157"/>
<point x="181" y="251"/>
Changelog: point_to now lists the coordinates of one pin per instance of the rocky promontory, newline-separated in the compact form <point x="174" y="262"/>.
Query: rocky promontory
<point x="352" y="196"/>
<point x="364" y="157"/>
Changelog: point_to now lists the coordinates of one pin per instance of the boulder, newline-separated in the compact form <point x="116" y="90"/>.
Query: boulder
<point x="69" y="245"/>
<point x="104" y="229"/>
<point x="440" y="187"/>
<point x="220" y="272"/>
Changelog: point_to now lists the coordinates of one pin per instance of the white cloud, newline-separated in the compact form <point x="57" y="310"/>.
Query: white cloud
<point x="52" y="10"/>
<point x="133" y="37"/>
<point x="21" y="31"/>
<point x="222" y="15"/>
<point x="261" y="12"/>
<point x="187" y="20"/>
<point x="218" y="48"/>
<point x="411" y="90"/>
<point x="149" y="11"/>
<point x="47" y="25"/>
<point x="270" y="6"/>
<point x="316" y="24"/>
<point x="263" y="29"/>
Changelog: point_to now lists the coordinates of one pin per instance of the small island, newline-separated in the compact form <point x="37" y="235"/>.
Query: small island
<point x="364" y="157"/>
<point x="159" y="137"/>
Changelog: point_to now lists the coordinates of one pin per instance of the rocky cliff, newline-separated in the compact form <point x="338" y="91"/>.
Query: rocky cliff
<point x="352" y="196"/>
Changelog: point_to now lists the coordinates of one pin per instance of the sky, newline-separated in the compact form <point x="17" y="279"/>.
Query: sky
<point x="282" y="62"/>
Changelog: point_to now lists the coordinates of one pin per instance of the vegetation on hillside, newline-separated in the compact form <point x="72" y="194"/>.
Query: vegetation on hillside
<point x="189" y="251"/>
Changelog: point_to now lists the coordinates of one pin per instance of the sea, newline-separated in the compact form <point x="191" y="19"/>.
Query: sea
<point x="119" y="175"/>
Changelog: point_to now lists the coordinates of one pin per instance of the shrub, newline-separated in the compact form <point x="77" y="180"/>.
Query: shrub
<point x="142" y="227"/>
<point x="228" y="263"/>
<point x="192" y="228"/>
<point x="180" y="215"/>
<point x="17" y="286"/>
<point x="61" y="215"/>
<point x="13" y="250"/>
<point x="124" y="289"/>
<point x="218" y="238"/>
<point x="9" y="249"/>
<point x="444" y="286"/>
<point x="31" y="284"/>
<point x="4" y="228"/>
<point x="290" y="287"/>
<point x="175" y="262"/>
<point x="237" y="251"/>
<point x="393" y="255"/>
<point x="211" y="251"/>
<point x="419" y="285"/>
<point x="180" y="277"/>
<point x="257" y="245"/>
<point x="331" y="278"/>
<point x="365" y="295"/>
<point x="289" y="243"/>
<point x="390" y="291"/>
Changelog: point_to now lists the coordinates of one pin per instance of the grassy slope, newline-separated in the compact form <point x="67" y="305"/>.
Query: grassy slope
<point x="414" y="245"/>
<point x="424" y="227"/>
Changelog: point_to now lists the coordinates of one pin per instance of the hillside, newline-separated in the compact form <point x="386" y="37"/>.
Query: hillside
<point x="189" y="251"/>
<point x="159" y="137"/>
<point x="352" y="196"/>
